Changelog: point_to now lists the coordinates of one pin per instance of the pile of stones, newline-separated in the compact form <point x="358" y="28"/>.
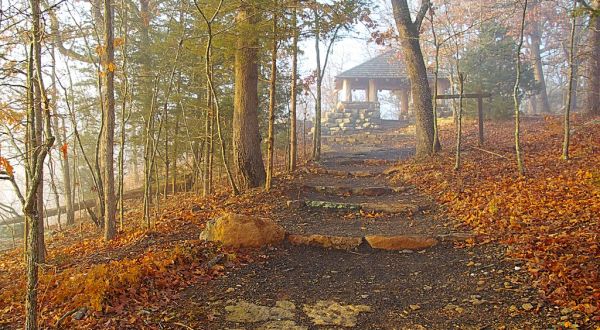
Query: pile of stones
<point x="351" y="118"/>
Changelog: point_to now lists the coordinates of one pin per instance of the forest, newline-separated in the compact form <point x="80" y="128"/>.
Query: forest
<point x="299" y="164"/>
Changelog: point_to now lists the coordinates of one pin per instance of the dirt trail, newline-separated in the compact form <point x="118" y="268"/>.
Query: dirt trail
<point x="306" y="287"/>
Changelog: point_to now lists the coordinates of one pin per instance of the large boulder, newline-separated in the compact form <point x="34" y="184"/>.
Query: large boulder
<point x="238" y="230"/>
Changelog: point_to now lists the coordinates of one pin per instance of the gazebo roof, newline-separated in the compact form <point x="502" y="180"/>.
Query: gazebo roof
<point x="386" y="65"/>
<point x="386" y="68"/>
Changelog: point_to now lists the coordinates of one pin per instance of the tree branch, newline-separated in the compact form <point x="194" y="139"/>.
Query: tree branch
<point x="335" y="34"/>
<point x="425" y="5"/>
<point x="10" y="177"/>
<point x="58" y="40"/>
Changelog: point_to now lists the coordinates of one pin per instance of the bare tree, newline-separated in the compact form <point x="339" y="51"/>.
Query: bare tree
<point x="36" y="155"/>
<point x="108" y="134"/>
<point x="316" y="151"/>
<point x="213" y="103"/>
<point x="293" y="90"/>
<point x="272" y="96"/>
<point x="567" y="124"/>
<point x="516" y="97"/>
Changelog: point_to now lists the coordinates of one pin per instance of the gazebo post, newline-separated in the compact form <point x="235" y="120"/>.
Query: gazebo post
<point x="404" y="102"/>
<point x="347" y="87"/>
<point x="372" y="91"/>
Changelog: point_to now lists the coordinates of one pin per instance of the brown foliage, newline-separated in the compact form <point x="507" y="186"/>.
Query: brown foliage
<point x="116" y="280"/>
<point x="549" y="218"/>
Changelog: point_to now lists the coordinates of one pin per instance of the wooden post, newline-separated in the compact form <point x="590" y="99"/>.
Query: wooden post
<point x="347" y="86"/>
<point x="403" y="102"/>
<point x="480" y="119"/>
<point x="479" y="96"/>
<point x="372" y="92"/>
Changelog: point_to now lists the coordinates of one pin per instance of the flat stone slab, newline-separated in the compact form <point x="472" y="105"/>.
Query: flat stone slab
<point x="247" y="312"/>
<point x="400" y="242"/>
<point x="384" y="207"/>
<point x="332" y="205"/>
<point x="355" y="191"/>
<point x="334" y="242"/>
<point x="356" y="174"/>
<point x="282" y="315"/>
<point x="331" y="313"/>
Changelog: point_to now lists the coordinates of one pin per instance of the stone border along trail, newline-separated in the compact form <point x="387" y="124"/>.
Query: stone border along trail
<point x="340" y="268"/>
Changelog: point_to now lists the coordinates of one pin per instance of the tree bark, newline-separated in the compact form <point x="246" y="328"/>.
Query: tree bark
<point x="415" y="65"/>
<point x="461" y="81"/>
<point x="316" y="152"/>
<point x="64" y="157"/>
<point x="108" y="137"/>
<point x="516" y="98"/>
<point x="538" y="71"/>
<point x="436" y="139"/>
<point x="294" y="91"/>
<point x="213" y="104"/>
<point x="38" y="131"/>
<point x="272" y="96"/>
<point x="593" y="74"/>
<point x="247" y="155"/>
<point x="35" y="164"/>
<point x="67" y="186"/>
<point x="567" y="123"/>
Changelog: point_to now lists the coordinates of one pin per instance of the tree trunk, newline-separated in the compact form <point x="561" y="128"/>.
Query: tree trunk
<point x="538" y="72"/>
<point x="213" y="104"/>
<point x="461" y="81"/>
<point x="593" y="93"/>
<point x="35" y="162"/>
<point x="436" y="139"/>
<point x="293" y="91"/>
<point x="316" y="152"/>
<point x="67" y="186"/>
<point x="247" y="153"/>
<point x="520" y="166"/>
<point x="533" y="104"/>
<point x="55" y="193"/>
<point x="176" y="141"/>
<point x="38" y="133"/>
<point x="567" y="123"/>
<point x="64" y="157"/>
<point x="272" y="96"/>
<point x="108" y="137"/>
<point x="149" y="147"/>
<point x="124" y="30"/>
<point x="208" y="138"/>
<point x="417" y="73"/>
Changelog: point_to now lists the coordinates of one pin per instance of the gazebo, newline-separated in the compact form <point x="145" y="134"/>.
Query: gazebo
<point x="383" y="72"/>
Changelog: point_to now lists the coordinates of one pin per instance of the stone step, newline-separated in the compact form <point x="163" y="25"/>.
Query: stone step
<point x="377" y="207"/>
<point x="340" y="173"/>
<point x="378" y="242"/>
<point x="354" y="191"/>
<point x="331" y="205"/>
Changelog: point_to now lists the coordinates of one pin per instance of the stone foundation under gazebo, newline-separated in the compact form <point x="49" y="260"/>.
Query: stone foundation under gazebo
<point x="351" y="117"/>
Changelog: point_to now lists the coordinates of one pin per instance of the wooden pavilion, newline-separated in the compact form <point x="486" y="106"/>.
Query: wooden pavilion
<point x="384" y="72"/>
